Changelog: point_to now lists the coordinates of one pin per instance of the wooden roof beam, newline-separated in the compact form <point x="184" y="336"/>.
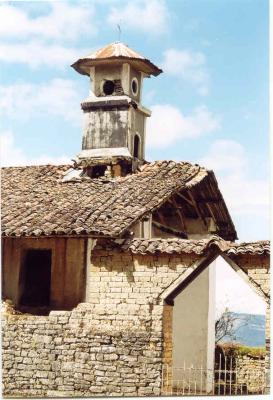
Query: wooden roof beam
<point x="180" y="214"/>
<point x="185" y="198"/>
<point x="195" y="203"/>
<point x="168" y="229"/>
<point x="208" y="200"/>
<point x="197" y="209"/>
<point x="212" y="214"/>
<point x="160" y="217"/>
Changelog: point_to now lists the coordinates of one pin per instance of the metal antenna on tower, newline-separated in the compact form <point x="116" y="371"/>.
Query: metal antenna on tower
<point x="119" y="32"/>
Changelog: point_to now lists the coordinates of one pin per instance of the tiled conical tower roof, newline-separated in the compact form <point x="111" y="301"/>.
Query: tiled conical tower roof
<point x="119" y="53"/>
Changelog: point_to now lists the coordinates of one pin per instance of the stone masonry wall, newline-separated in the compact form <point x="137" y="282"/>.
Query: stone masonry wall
<point x="110" y="345"/>
<point x="64" y="355"/>
<point x="126" y="288"/>
<point x="251" y="372"/>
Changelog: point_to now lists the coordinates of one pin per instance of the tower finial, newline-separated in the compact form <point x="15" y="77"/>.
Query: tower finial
<point x="119" y="32"/>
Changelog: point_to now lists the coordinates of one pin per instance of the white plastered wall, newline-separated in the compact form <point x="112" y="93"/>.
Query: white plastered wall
<point x="193" y="325"/>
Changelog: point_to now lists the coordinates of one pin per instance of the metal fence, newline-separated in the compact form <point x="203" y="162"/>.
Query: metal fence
<point x="228" y="378"/>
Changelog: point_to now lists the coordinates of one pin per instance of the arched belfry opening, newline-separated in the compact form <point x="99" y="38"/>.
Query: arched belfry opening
<point x="136" y="146"/>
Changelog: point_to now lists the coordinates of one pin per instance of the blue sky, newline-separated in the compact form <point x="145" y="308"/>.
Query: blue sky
<point x="210" y="106"/>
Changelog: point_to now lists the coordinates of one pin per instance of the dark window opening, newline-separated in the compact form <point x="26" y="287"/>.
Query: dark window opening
<point x="36" y="278"/>
<point x="95" y="171"/>
<point x="136" y="146"/>
<point x="108" y="87"/>
<point x="134" y="86"/>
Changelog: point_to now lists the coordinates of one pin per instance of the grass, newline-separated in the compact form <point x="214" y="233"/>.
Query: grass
<point x="240" y="350"/>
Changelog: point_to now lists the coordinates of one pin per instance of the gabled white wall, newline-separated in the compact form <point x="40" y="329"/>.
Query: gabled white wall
<point x="193" y="324"/>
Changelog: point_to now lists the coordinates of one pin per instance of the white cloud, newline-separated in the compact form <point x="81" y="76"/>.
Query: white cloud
<point x="188" y="66"/>
<point x="65" y="21"/>
<point x="234" y="293"/>
<point x="168" y="125"/>
<point x="242" y="193"/>
<point x="226" y="156"/>
<point x="38" y="54"/>
<point x="41" y="40"/>
<point x="58" y="97"/>
<point x="146" y="16"/>
<point x="14" y="156"/>
<point x="245" y="195"/>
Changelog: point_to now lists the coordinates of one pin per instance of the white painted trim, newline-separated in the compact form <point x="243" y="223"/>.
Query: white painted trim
<point x="105" y="151"/>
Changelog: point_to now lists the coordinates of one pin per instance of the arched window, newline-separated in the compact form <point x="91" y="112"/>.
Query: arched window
<point x="136" y="146"/>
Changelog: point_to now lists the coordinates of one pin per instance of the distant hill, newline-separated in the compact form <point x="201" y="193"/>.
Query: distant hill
<point x="252" y="331"/>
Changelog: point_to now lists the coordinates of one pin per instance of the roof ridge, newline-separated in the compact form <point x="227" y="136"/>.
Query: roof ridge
<point x="36" y="166"/>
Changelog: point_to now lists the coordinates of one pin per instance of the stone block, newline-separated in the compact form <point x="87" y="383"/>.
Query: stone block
<point x="42" y="374"/>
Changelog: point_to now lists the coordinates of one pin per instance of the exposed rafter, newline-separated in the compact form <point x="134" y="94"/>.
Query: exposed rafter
<point x="185" y="198"/>
<point x="168" y="229"/>
<point x="180" y="214"/>
<point x="208" y="200"/>
<point x="212" y="214"/>
<point x="161" y="217"/>
<point x="197" y="209"/>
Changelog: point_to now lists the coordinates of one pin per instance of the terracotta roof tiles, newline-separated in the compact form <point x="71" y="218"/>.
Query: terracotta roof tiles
<point x="36" y="202"/>
<point x="117" y="52"/>
<point x="170" y="245"/>
<point x="191" y="246"/>
<point x="250" y="248"/>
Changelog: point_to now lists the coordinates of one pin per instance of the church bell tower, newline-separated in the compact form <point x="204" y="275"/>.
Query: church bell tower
<point x="114" y="119"/>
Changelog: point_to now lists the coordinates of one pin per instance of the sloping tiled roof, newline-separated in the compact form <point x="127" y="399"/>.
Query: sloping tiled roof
<point x="119" y="52"/>
<point x="170" y="246"/>
<point x="36" y="202"/>
<point x="191" y="246"/>
<point x="251" y="248"/>
<point x="115" y="49"/>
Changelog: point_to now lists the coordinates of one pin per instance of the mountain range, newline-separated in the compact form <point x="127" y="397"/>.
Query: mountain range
<point x="249" y="330"/>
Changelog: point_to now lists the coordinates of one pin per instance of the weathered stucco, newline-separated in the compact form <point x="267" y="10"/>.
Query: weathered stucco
<point x="104" y="73"/>
<point x="105" y="128"/>
<point x="192" y="325"/>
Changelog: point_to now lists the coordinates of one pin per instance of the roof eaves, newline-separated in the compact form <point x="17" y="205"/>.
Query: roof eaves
<point x="197" y="178"/>
<point x="234" y="235"/>
<point x="190" y="246"/>
<point x="154" y="70"/>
